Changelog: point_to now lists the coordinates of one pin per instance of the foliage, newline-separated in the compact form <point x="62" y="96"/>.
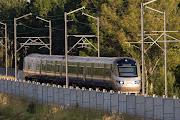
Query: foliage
<point x="31" y="108"/>
<point x="21" y="108"/>
<point x="119" y="23"/>
<point x="159" y="83"/>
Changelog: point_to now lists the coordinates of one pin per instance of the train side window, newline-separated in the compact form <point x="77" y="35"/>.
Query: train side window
<point x="108" y="70"/>
<point x="53" y="66"/>
<point x="38" y="65"/>
<point x="47" y="65"/>
<point x="25" y="65"/>
<point x="33" y="65"/>
<point x="72" y="66"/>
<point x="88" y="71"/>
<point x="43" y="63"/>
<point x="50" y="66"/>
<point x="95" y="71"/>
<point x="98" y="69"/>
<point x="64" y="67"/>
<point x="58" y="66"/>
<point x="81" y="67"/>
<point x="88" y="68"/>
<point x="102" y="69"/>
<point x="29" y="65"/>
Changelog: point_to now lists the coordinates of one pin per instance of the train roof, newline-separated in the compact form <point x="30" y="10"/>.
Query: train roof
<point x="107" y="60"/>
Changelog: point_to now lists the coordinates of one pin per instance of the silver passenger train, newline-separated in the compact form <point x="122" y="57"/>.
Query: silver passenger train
<point x="119" y="74"/>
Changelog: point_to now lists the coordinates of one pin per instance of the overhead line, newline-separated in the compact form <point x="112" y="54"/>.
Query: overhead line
<point x="32" y="27"/>
<point x="83" y="23"/>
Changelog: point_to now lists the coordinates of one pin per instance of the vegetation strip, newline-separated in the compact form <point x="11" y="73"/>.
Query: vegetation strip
<point x="21" y="108"/>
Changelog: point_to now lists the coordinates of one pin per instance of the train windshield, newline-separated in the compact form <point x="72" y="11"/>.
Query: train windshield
<point x="127" y="67"/>
<point x="129" y="71"/>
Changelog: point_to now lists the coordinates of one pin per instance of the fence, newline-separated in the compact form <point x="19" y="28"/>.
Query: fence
<point x="145" y="106"/>
<point x="10" y="72"/>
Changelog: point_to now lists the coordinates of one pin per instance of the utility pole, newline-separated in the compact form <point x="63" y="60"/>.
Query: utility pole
<point x="142" y="48"/>
<point x="5" y="28"/>
<point x="97" y="19"/>
<point x="15" y="41"/>
<point x="154" y="42"/>
<point x="32" y="41"/>
<point x="66" y="49"/>
<point x="98" y="36"/>
<point x="6" y="46"/>
<point x="50" y="36"/>
<point x="165" y="54"/>
<point x="15" y="48"/>
<point x="142" y="44"/>
<point x="85" y="42"/>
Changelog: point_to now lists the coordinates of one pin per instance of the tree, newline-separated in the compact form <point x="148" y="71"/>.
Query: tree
<point x="119" y="23"/>
<point x="9" y="10"/>
<point x="159" y="83"/>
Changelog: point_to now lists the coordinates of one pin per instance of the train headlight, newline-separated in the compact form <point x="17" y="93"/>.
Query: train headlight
<point x="120" y="82"/>
<point x="138" y="82"/>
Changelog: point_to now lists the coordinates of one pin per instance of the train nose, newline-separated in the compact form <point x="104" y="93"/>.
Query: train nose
<point x="132" y="89"/>
<point x="131" y="85"/>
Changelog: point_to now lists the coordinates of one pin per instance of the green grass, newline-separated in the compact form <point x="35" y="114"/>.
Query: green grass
<point x="21" y="108"/>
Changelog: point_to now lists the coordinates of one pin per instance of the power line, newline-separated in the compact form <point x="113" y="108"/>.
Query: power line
<point x="59" y="25"/>
<point x="49" y="16"/>
<point x="108" y="8"/>
<point x="32" y="27"/>
<point x="57" y="28"/>
<point x="99" y="9"/>
<point x="24" y="32"/>
<point x="57" y="19"/>
<point x="6" y="20"/>
<point x="83" y="23"/>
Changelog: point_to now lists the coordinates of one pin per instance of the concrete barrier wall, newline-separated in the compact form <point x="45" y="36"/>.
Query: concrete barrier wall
<point x="145" y="106"/>
<point x="10" y="71"/>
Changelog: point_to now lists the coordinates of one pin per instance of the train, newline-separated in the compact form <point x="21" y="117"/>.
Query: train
<point x="111" y="73"/>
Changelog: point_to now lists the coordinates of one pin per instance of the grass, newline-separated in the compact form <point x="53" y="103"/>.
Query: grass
<point x="22" y="108"/>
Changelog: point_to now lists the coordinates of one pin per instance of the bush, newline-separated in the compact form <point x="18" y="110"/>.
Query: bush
<point x="31" y="108"/>
<point x="21" y="108"/>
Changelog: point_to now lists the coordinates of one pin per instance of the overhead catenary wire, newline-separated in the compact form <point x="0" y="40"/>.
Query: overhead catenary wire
<point x="81" y="22"/>
<point x="88" y="7"/>
<point x="88" y="24"/>
<point x="99" y="9"/>
<point x="6" y="20"/>
<point x="59" y="25"/>
<point x="35" y="30"/>
<point x="32" y="27"/>
<point x="48" y="15"/>
<point x="57" y="19"/>
<point x="123" y="8"/>
<point x="57" y="28"/>
<point x="76" y="21"/>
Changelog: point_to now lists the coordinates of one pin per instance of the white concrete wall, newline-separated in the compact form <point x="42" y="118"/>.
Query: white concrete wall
<point x="145" y="106"/>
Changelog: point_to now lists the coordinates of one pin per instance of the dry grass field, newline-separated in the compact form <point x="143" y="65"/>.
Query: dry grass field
<point x="22" y="108"/>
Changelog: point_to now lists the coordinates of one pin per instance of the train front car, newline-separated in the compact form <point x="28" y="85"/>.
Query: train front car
<point x="127" y="75"/>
